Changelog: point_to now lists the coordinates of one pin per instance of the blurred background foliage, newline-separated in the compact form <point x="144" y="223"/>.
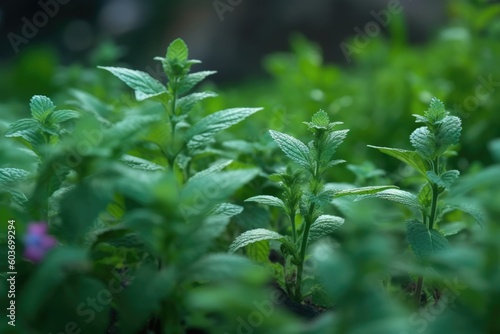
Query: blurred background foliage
<point x="287" y="59"/>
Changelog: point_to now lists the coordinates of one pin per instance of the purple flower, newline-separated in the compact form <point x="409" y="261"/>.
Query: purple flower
<point x="37" y="242"/>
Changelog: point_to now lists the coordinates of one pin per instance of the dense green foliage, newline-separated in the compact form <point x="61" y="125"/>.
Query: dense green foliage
<point x="176" y="210"/>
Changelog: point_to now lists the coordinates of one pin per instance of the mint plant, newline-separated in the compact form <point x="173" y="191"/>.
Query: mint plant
<point x="303" y="203"/>
<point x="43" y="129"/>
<point x="177" y="136"/>
<point x="433" y="143"/>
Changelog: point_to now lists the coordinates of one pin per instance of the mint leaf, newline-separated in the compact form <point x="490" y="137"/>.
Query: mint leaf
<point x="259" y="251"/>
<point x="212" y="169"/>
<point x="145" y="86"/>
<point x="191" y="80"/>
<point x="474" y="212"/>
<point x="357" y="191"/>
<point x="60" y="116"/>
<point x="186" y="103"/>
<point x="410" y="158"/>
<point x="448" y="132"/>
<point x="139" y="163"/>
<point x="395" y="195"/>
<point x="293" y="148"/>
<point x="22" y="127"/>
<point x="320" y="119"/>
<point x="446" y="179"/>
<point x="29" y="130"/>
<point x="220" y="267"/>
<point x="40" y="107"/>
<point x="436" y="111"/>
<point x="201" y="133"/>
<point x="267" y="200"/>
<point x="424" y="242"/>
<point x="10" y="175"/>
<point x="252" y="236"/>
<point x="203" y="192"/>
<point x="225" y="210"/>
<point x="323" y="226"/>
<point x="423" y="142"/>
<point x="177" y="51"/>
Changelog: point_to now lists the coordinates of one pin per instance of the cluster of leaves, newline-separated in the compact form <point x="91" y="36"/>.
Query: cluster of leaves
<point x="433" y="144"/>
<point x="305" y="205"/>
<point x="140" y="196"/>
<point x="121" y="219"/>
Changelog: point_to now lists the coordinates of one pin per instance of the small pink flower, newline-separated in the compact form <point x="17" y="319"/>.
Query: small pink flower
<point x="37" y="241"/>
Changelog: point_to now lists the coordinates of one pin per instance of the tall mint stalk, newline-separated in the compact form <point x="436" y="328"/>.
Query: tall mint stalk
<point x="304" y="201"/>
<point x="433" y="143"/>
<point x="179" y="138"/>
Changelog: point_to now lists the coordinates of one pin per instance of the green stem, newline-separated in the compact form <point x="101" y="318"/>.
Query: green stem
<point x="309" y="219"/>
<point x="432" y="220"/>
<point x="294" y="230"/>
<point x="171" y="115"/>
<point x="418" y="292"/>
<point x="302" y="255"/>
<point x="435" y="195"/>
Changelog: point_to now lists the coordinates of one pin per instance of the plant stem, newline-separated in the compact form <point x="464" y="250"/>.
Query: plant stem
<point x="170" y="155"/>
<point x="294" y="230"/>
<point x="308" y="221"/>
<point x="432" y="220"/>
<point x="418" y="292"/>
<point x="302" y="255"/>
<point x="435" y="195"/>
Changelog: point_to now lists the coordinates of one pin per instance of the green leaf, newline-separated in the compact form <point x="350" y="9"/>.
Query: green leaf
<point x="259" y="251"/>
<point x="321" y="119"/>
<point x="186" y="103"/>
<point x="474" y="212"/>
<point x="11" y="175"/>
<point x="436" y="111"/>
<point x="145" y="86"/>
<point x="424" y="242"/>
<point x="201" y="193"/>
<point x="212" y="169"/>
<point x="139" y="163"/>
<point x="395" y="195"/>
<point x="226" y="210"/>
<point x="410" y="158"/>
<point x="293" y="148"/>
<point x="22" y="126"/>
<point x="252" y="236"/>
<point x="202" y="132"/>
<point x="60" y="116"/>
<point x="448" y="132"/>
<point x="453" y="228"/>
<point x="421" y="119"/>
<point x="423" y="142"/>
<point x="40" y="107"/>
<point x="220" y="267"/>
<point x="446" y="179"/>
<point x="357" y="191"/>
<point x="333" y="141"/>
<point x="127" y="130"/>
<point x="323" y="226"/>
<point x="28" y="129"/>
<point x="177" y="51"/>
<point x="191" y="80"/>
<point x="267" y="200"/>
<point x="425" y="195"/>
